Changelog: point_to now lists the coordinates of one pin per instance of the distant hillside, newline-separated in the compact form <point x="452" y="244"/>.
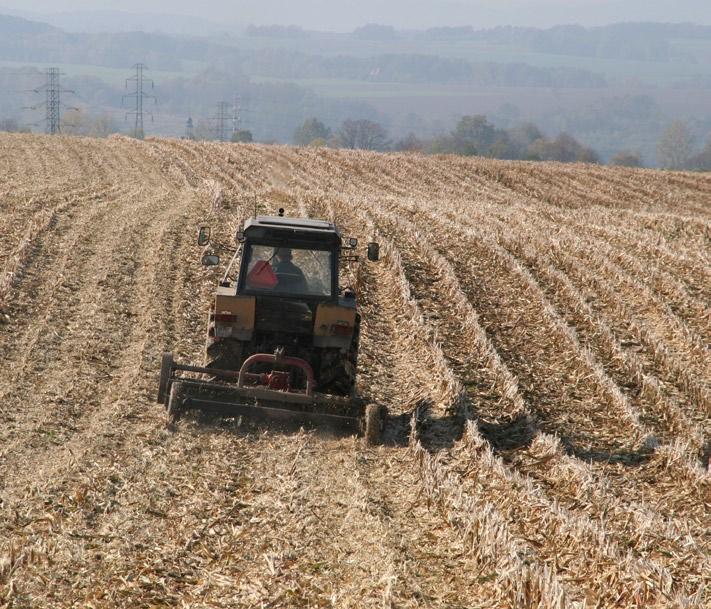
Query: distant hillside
<point x="13" y="26"/>
<point x="122" y="21"/>
<point x="628" y="41"/>
<point x="613" y="88"/>
<point x="416" y="68"/>
<point x="38" y="42"/>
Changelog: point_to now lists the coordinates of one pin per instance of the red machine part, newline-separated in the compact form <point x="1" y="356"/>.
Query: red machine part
<point x="276" y="380"/>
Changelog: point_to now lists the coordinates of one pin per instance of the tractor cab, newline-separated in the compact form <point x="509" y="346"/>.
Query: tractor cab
<point x="289" y="258"/>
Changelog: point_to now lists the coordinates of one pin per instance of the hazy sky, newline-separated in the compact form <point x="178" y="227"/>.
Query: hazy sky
<point x="347" y="14"/>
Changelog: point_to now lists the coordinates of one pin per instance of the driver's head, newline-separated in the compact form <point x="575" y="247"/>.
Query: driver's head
<point x="283" y="253"/>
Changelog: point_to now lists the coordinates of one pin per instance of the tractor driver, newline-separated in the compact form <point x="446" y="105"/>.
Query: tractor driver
<point x="291" y="277"/>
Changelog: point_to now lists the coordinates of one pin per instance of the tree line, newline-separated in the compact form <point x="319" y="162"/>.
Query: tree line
<point x="624" y="41"/>
<point x="26" y="41"/>
<point x="474" y="135"/>
<point x="416" y="68"/>
<point x="676" y="149"/>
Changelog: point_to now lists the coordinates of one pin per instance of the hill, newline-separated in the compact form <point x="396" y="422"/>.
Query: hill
<point x="539" y="333"/>
<point x="614" y="88"/>
<point x="17" y="26"/>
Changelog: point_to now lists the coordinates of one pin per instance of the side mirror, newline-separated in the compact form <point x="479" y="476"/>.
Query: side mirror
<point x="373" y="252"/>
<point x="210" y="260"/>
<point x="203" y="236"/>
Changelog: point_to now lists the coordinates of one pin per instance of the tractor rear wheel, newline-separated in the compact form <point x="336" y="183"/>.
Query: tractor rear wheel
<point x="337" y="373"/>
<point x="225" y="354"/>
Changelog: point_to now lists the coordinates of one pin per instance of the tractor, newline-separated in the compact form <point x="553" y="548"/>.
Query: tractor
<point x="282" y="335"/>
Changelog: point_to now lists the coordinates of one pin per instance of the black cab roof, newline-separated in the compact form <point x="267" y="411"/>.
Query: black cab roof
<point x="281" y="228"/>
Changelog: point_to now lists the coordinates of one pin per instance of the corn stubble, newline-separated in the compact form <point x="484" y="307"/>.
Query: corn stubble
<point x="540" y="334"/>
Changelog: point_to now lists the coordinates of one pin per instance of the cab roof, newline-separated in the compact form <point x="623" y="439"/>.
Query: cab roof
<point x="298" y="228"/>
<point x="297" y="223"/>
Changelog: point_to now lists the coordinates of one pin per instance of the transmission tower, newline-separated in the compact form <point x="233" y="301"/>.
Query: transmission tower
<point x="53" y="104"/>
<point x="236" y="119"/>
<point x="140" y="95"/>
<point x="221" y="119"/>
<point x="54" y="91"/>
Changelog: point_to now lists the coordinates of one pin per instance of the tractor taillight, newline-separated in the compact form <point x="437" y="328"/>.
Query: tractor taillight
<point x="225" y="317"/>
<point x="341" y="329"/>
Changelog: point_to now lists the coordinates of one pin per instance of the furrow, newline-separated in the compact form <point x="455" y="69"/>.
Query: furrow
<point x="505" y="419"/>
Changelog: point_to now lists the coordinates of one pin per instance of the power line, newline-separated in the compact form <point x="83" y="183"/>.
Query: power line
<point x="140" y="95"/>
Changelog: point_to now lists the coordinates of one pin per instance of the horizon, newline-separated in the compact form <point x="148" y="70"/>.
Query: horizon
<point x="614" y="89"/>
<point x="346" y="15"/>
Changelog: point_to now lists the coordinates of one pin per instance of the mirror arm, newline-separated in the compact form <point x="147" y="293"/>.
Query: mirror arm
<point x="229" y="266"/>
<point x="218" y="245"/>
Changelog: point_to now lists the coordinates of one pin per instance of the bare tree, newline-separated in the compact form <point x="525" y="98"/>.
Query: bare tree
<point x="410" y="143"/>
<point x="702" y="161"/>
<point x="674" y="148"/>
<point x="102" y="125"/>
<point x="362" y="134"/>
<point x="565" y="149"/>
<point x="625" y="158"/>
<point x="203" y="130"/>
<point x="11" y="125"/>
<point x="75" y="122"/>
<point x="80" y="122"/>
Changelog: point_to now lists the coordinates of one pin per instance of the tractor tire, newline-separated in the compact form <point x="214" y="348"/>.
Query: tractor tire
<point x="337" y="377"/>
<point x="175" y="403"/>
<point x="374" y="420"/>
<point x="223" y="355"/>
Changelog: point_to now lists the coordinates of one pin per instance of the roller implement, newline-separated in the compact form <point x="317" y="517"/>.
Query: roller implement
<point x="282" y="335"/>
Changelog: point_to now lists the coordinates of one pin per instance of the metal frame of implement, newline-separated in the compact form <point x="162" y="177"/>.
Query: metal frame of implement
<point x="257" y="402"/>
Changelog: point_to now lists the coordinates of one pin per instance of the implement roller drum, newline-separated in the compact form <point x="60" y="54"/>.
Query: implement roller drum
<point x="166" y="372"/>
<point x="373" y="423"/>
<point x="176" y="401"/>
<point x="180" y="394"/>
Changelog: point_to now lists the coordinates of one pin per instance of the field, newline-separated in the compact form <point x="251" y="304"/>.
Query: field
<point x="540" y="334"/>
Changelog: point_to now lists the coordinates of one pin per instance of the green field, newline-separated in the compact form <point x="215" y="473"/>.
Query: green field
<point x="113" y="76"/>
<point x="359" y="89"/>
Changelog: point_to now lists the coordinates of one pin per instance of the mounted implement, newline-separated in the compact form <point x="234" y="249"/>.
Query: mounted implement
<point x="282" y="336"/>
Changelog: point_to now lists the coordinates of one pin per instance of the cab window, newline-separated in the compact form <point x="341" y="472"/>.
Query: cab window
<point x="288" y="271"/>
